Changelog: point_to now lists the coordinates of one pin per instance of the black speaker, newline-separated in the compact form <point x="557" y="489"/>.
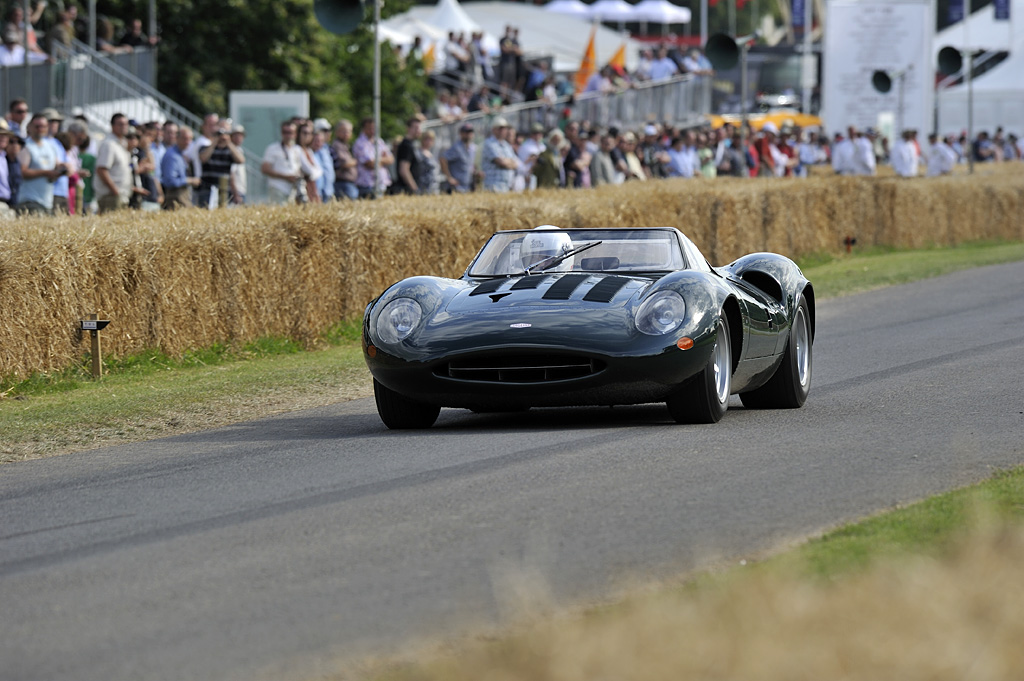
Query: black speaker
<point x="881" y="81"/>
<point x="339" y="16"/>
<point x="722" y="52"/>
<point x="950" y="61"/>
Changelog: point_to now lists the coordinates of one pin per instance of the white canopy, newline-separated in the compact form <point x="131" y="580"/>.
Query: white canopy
<point x="660" y="12"/>
<point x="612" y="10"/>
<point x="574" y="8"/>
<point x="448" y="14"/>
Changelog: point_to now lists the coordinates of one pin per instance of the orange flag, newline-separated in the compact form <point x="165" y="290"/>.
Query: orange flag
<point x="589" y="64"/>
<point x="428" y="58"/>
<point x="618" y="60"/>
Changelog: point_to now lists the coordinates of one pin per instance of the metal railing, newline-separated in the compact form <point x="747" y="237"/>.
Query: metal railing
<point x="681" y="101"/>
<point x="100" y="85"/>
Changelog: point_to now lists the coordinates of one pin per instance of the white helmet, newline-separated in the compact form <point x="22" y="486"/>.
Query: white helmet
<point x="545" y="242"/>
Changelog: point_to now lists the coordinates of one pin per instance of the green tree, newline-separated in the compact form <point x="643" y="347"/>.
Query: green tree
<point x="211" y="47"/>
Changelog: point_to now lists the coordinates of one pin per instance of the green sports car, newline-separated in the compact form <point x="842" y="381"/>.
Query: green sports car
<point x="566" y="317"/>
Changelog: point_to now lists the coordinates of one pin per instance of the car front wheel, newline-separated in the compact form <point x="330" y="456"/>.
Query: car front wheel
<point x="705" y="397"/>
<point x="399" y="412"/>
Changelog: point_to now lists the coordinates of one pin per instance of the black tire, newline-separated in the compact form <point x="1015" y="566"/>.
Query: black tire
<point x="399" y="412"/>
<point x="789" y="386"/>
<point x="705" y="397"/>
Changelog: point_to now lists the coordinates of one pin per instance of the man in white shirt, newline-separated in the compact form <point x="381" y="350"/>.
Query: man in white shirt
<point x="842" y="152"/>
<point x="941" y="157"/>
<point x="904" y="155"/>
<point x="864" y="153"/>
<point x="282" y="164"/>
<point x="113" y="184"/>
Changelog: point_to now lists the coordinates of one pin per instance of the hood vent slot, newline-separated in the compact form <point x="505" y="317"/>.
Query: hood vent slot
<point x="528" y="282"/>
<point x="563" y="288"/>
<point x="489" y="286"/>
<point x="604" y="290"/>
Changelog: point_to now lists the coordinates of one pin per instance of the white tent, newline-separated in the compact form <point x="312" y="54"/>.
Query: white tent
<point x="448" y="14"/>
<point x="574" y="8"/>
<point x="998" y="93"/>
<point x="612" y="11"/>
<point x="660" y="12"/>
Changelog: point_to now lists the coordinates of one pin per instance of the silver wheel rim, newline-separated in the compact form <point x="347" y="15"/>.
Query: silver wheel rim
<point x="720" y="360"/>
<point x="802" y="342"/>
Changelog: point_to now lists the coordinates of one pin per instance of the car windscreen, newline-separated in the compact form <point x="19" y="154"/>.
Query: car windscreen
<point x="592" y="250"/>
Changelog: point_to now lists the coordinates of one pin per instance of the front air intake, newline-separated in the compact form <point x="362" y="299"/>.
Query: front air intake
<point x="521" y="369"/>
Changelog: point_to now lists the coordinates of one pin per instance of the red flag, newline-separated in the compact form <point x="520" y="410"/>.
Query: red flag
<point x="589" y="64"/>
<point x="740" y="3"/>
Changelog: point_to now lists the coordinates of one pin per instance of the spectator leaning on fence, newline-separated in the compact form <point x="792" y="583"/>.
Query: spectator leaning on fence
<point x="174" y="172"/>
<point x="457" y="162"/>
<point x="345" y="165"/>
<point x="113" y="185"/>
<point x="282" y="165"/>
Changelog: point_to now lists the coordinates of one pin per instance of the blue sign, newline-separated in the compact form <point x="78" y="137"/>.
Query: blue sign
<point x="1002" y="10"/>
<point x="956" y="11"/>
<point x="798" y="13"/>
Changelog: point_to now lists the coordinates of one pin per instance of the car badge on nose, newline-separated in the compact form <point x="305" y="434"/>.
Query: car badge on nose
<point x="520" y="325"/>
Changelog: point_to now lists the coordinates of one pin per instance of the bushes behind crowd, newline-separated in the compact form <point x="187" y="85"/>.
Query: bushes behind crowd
<point x="193" y="278"/>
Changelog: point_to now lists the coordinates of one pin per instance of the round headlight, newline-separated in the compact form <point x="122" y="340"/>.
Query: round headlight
<point x="661" y="313"/>
<point x="398" y="319"/>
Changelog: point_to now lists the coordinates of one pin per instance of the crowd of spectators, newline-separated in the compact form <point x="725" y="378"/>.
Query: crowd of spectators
<point x="53" y="165"/>
<point x="46" y="31"/>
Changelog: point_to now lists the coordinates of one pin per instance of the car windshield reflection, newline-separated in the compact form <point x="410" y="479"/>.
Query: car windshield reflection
<point x="515" y="253"/>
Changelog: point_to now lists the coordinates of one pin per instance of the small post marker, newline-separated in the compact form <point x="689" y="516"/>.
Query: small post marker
<point x="94" y="325"/>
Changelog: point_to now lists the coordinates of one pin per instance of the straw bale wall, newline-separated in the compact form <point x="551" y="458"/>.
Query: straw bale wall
<point x="193" y="278"/>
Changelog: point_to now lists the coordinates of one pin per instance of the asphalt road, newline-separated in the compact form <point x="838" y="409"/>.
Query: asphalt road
<point x="269" y="549"/>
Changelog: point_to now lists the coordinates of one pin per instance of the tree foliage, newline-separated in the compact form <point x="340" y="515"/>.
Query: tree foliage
<point x="210" y="47"/>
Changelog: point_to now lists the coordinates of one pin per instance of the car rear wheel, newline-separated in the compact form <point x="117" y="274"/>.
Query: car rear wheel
<point x="399" y="412"/>
<point x="789" y="386"/>
<point x="705" y="397"/>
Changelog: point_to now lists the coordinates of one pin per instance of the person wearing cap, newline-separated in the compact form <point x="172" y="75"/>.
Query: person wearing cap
<point x="457" y="162"/>
<point x="365" y="150"/>
<point x="499" y="161"/>
<point x="114" y="182"/>
<point x="40" y="169"/>
<point x="217" y="159"/>
<point x="61" y="188"/>
<point x="345" y="165"/>
<point x="549" y="170"/>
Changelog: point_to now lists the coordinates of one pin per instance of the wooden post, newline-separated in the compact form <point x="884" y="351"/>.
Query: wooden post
<point x="97" y="360"/>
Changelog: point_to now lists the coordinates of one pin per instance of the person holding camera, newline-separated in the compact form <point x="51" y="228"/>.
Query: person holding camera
<point x="216" y="160"/>
<point x="39" y="168"/>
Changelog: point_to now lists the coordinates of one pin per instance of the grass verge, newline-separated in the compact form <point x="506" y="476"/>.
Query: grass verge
<point x="151" y="395"/>
<point x="930" y="592"/>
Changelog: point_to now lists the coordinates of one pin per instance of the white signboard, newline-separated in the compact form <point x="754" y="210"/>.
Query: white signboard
<point x="864" y="36"/>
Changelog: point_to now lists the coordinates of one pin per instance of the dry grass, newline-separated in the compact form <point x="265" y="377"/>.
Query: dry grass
<point x="912" y="619"/>
<point x="190" y="279"/>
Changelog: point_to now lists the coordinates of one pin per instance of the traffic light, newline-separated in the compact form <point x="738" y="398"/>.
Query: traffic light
<point x="881" y="81"/>
<point x="339" y="16"/>
<point x="950" y="61"/>
<point x="722" y="51"/>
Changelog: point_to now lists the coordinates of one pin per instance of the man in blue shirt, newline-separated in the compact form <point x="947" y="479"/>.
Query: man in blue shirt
<point x="174" y="171"/>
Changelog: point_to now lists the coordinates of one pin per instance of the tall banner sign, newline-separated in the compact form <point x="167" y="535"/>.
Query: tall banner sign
<point x="798" y="13"/>
<point x="956" y="11"/>
<point x="1002" y="8"/>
